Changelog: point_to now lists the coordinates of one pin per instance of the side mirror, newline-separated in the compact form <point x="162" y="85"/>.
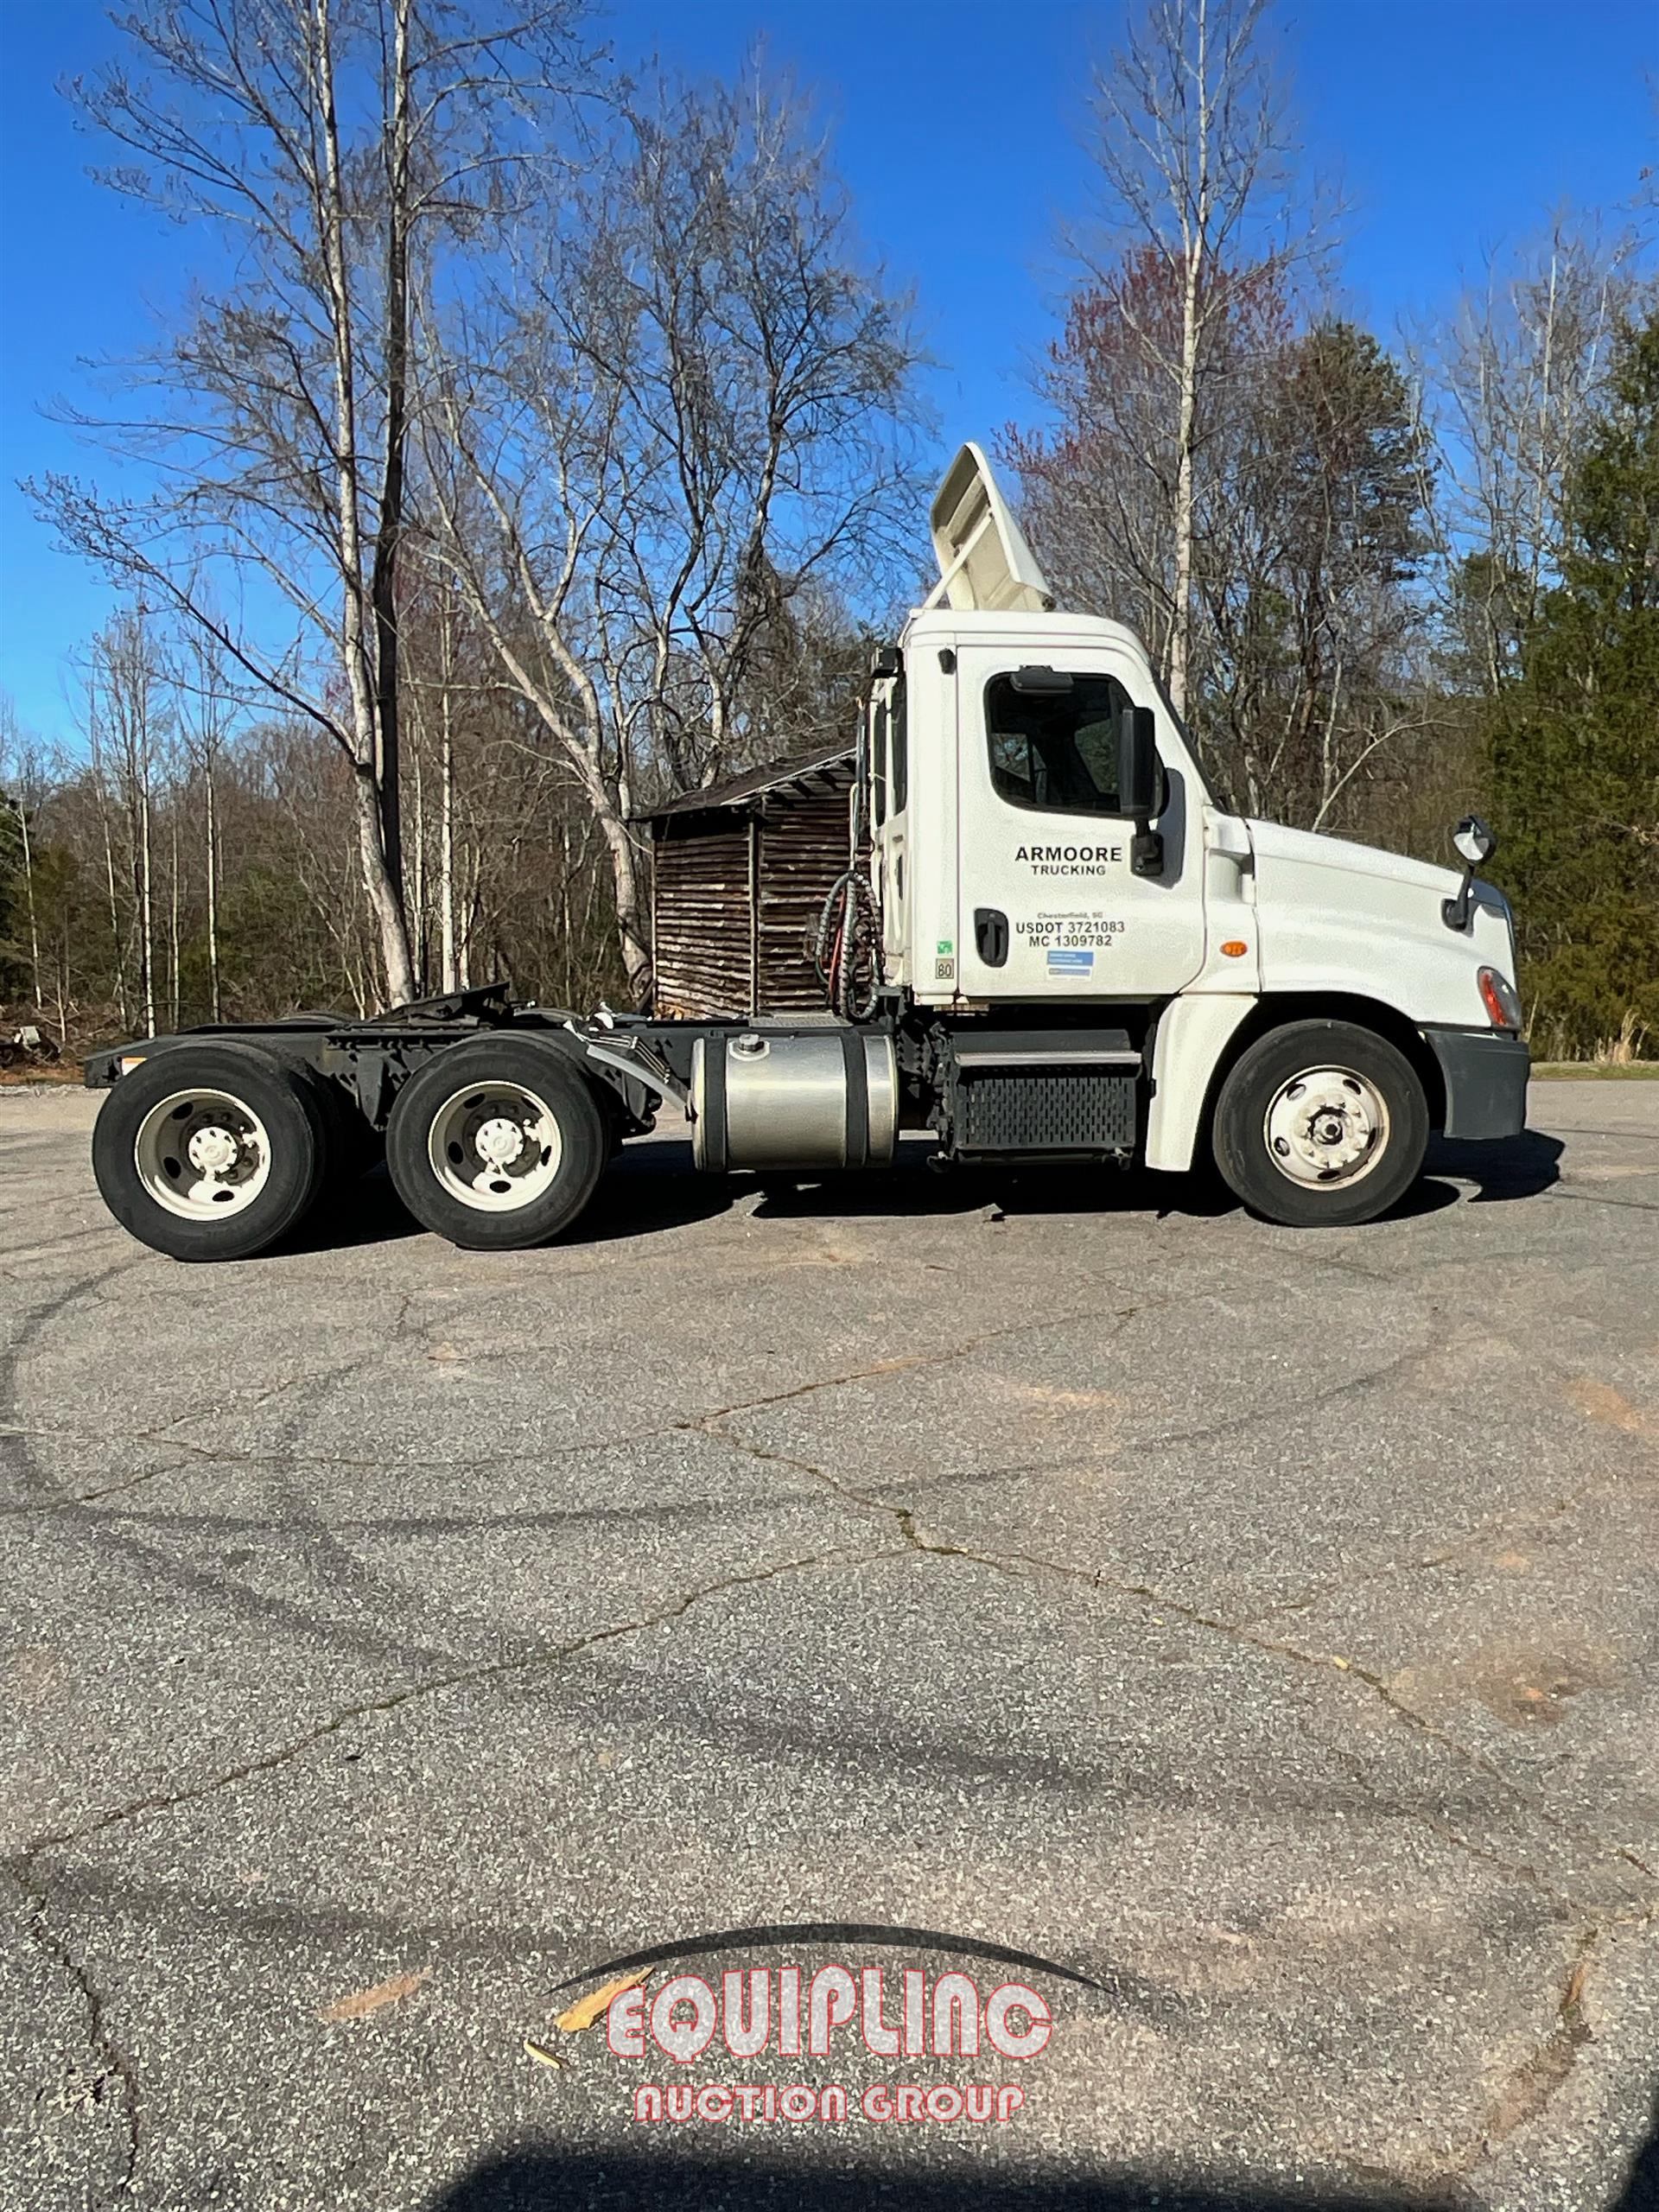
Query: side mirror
<point x="1474" y="841"/>
<point x="1140" y="786"/>
<point x="1138" y="777"/>
<point x="1475" y="844"/>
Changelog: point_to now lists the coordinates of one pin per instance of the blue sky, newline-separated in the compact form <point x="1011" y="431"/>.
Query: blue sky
<point x="1455" y="126"/>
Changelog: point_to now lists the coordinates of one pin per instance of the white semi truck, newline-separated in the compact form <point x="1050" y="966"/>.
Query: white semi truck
<point x="1059" y="949"/>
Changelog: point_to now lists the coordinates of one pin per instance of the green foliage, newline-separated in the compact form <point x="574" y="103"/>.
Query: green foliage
<point x="1575" y="740"/>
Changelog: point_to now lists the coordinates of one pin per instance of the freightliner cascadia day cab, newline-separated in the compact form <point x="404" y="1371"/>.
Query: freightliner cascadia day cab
<point x="1050" y="945"/>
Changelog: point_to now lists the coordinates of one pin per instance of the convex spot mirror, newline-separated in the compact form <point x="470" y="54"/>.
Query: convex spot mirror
<point x="1474" y="841"/>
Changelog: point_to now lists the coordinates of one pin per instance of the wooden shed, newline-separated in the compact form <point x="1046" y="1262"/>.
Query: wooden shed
<point x="740" y="873"/>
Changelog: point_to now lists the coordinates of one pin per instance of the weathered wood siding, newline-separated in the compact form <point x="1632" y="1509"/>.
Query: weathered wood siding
<point x="703" y="951"/>
<point x="802" y="850"/>
<point x="735" y="891"/>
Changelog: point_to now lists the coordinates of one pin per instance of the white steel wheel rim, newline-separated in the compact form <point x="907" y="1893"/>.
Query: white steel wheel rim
<point x="203" y="1155"/>
<point x="495" y="1146"/>
<point x="1327" y="1129"/>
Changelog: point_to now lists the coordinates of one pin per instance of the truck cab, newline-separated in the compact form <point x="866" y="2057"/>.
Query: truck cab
<point x="1017" y="876"/>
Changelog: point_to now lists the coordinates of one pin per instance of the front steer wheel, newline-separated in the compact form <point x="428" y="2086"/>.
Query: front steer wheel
<point x="496" y="1144"/>
<point x="211" y="1152"/>
<point x="1321" y="1124"/>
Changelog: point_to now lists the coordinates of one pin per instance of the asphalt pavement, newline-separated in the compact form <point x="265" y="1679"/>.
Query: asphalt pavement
<point x="1243" y="1639"/>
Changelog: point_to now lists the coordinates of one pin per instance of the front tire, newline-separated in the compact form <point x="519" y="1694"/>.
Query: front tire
<point x="1321" y="1124"/>
<point x="496" y="1144"/>
<point x="210" y="1151"/>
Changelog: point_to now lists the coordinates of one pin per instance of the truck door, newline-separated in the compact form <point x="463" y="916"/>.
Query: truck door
<point x="1048" y="908"/>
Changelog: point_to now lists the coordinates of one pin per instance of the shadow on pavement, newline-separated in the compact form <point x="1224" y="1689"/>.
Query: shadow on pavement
<point x="1512" y="1168"/>
<point x="524" y="2180"/>
<point x="366" y="1211"/>
<point x="1641" y="2191"/>
<point x="652" y="1187"/>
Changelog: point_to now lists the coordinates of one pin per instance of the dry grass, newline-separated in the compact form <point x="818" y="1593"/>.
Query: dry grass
<point x="1595" y="1070"/>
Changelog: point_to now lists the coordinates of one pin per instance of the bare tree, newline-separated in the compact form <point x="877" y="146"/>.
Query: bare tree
<point x="1514" y="380"/>
<point x="690" y="410"/>
<point x="1191" y="143"/>
<point x="123" y="680"/>
<point x="20" y="770"/>
<point x="337" y="147"/>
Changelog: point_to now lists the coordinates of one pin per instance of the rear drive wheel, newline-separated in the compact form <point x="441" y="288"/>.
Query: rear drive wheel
<point x="210" y="1151"/>
<point x="496" y="1144"/>
<point x="1321" y="1123"/>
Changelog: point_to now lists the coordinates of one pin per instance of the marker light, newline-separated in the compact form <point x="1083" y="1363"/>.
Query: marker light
<point x="128" y="1061"/>
<point x="1499" y="997"/>
<point x="1235" y="948"/>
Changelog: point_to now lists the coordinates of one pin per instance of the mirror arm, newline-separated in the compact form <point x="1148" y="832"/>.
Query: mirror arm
<point x="1454" y="911"/>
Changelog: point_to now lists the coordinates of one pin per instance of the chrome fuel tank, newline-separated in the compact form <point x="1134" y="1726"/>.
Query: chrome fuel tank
<point x="825" y="1099"/>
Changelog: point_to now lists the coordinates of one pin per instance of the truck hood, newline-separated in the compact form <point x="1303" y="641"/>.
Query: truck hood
<point x="1273" y="842"/>
<point x="1334" y="918"/>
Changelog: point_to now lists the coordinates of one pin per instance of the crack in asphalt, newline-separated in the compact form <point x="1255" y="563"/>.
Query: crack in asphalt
<point x="231" y="1456"/>
<point x="1534" y="2085"/>
<point x="1326" y="1663"/>
<point x="551" y="1655"/>
<point x="1500" y="1528"/>
<point x="115" y="2060"/>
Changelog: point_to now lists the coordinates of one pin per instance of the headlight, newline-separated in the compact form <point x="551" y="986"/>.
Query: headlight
<point x="1500" y="998"/>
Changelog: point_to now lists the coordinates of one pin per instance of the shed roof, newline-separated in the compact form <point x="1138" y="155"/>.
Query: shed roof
<point x="740" y="793"/>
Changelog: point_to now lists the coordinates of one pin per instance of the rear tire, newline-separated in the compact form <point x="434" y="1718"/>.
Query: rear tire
<point x="496" y="1144"/>
<point x="211" y="1151"/>
<point x="1321" y="1124"/>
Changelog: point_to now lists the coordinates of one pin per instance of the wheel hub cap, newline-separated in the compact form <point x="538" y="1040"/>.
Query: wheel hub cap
<point x="213" y="1150"/>
<point x="500" y="1142"/>
<point x="1328" y="1126"/>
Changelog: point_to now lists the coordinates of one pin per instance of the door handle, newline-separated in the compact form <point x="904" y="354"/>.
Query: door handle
<point x="991" y="935"/>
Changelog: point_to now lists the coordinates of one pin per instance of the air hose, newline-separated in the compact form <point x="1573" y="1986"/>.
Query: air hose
<point x="846" y="948"/>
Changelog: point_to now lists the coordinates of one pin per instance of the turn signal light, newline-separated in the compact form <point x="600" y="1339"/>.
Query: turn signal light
<point x="1235" y="948"/>
<point x="1500" y="998"/>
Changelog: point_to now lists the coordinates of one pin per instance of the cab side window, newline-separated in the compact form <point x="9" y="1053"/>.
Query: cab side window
<point x="898" y="755"/>
<point x="1056" y="749"/>
<point x="879" y="761"/>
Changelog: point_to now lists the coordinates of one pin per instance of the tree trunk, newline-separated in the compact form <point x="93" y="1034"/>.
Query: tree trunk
<point x="28" y="899"/>
<point x="213" y="896"/>
<point x="446" y="845"/>
<point x="385" y="901"/>
<point x="383" y="587"/>
<point x="630" y="921"/>
<point x="1180" y="628"/>
<point x="146" y="905"/>
<point x="381" y="882"/>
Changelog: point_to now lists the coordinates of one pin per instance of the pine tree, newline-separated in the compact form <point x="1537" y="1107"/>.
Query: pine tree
<point x="1575" y="740"/>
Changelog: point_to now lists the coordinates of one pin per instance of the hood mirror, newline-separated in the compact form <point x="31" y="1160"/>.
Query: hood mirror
<point x="1475" y="845"/>
<point x="1474" y="841"/>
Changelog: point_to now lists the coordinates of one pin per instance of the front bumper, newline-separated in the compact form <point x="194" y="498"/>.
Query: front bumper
<point x="1485" y="1077"/>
